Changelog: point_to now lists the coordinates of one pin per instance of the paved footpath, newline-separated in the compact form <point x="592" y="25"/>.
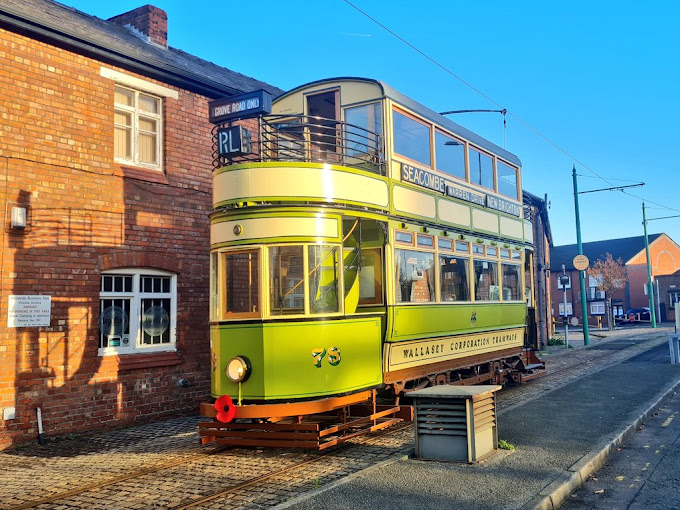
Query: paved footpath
<point x="561" y="437"/>
<point x="558" y="423"/>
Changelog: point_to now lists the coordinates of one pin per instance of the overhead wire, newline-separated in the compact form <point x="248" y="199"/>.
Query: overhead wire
<point x="490" y="99"/>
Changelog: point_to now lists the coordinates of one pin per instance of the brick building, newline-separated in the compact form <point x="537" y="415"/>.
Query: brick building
<point x="668" y="294"/>
<point x="537" y="209"/>
<point x="665" y="260"/>
<point x="105" y="163"/>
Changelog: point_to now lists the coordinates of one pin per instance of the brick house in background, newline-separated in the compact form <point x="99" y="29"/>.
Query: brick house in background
<point x="665" y="260"/>
<point x="105" y="163"/>
<point x="668" y="292"/>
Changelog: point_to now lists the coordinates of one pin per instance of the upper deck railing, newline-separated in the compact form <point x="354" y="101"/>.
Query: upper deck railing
<point x="307" y="139"/>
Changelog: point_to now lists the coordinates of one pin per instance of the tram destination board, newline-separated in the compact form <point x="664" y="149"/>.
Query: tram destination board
<point x="240" y="107"/>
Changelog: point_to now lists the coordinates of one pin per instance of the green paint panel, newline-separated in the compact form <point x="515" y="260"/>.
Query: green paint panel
<point x="422" y="321"/>
<point x="229" y="340"/>
<point x="284" y="365"/>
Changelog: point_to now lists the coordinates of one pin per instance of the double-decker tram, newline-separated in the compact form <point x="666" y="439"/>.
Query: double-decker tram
<point x="360" y="244"/>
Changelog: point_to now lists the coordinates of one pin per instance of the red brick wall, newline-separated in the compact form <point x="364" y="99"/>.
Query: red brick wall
<point x="87" y="214"/>
<point x="150" y="20"/>
<point x="664" y="254"/>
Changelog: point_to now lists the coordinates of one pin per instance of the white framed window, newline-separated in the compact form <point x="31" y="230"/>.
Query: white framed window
<point x="569" y="310"/>
<point x="597" y="308"/>
<point x="137" y="311"/>
<point x="673" y="297"/>
<point x="138" y="128"/>
<point x="559" y="282"/>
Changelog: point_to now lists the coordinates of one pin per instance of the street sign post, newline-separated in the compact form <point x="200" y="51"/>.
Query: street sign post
<point x="581" y="262"/>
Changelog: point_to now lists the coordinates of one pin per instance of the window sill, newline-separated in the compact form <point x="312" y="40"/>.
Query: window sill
<point x="135" y="361"/>
<point x="140" y="173"/>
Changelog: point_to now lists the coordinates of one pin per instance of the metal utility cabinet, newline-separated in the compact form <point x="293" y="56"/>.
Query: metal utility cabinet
<point x="455" y="423"/>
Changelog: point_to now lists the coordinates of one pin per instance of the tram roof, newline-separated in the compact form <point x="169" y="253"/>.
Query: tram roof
<point x="425" y="112"/>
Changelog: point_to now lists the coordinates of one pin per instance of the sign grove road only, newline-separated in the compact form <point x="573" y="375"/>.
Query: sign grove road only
<point x="581" y="262"/>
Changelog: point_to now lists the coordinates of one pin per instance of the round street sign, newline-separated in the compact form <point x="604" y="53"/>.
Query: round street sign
<point x="581" y="262"/>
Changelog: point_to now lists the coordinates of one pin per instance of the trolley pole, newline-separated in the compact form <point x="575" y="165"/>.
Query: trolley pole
<point x="650" y="284"/>
<point x="581" y="274"/>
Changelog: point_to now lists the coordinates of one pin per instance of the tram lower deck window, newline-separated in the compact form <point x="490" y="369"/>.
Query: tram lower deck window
<point x="512" y="286"/>
<point x="415" y="276"/>
<point x="454" y="278"/>
<point x="240" y="292"/>
<point x="486" y="280"/>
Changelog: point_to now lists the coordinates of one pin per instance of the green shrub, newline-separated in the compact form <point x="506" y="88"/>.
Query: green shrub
<point x="504" y="445"/>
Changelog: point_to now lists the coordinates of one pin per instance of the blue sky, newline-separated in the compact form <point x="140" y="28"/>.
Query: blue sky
<point x="598" y="79"/>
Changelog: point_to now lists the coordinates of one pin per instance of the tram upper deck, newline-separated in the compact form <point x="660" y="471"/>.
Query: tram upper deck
<point x="358" y="143"/>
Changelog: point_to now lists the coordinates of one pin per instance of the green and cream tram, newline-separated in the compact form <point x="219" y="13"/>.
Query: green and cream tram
<point x="361" y="241"/>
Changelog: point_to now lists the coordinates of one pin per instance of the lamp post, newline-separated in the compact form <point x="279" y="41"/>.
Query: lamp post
<point x="650" y="289"/>
<point x="581" y="274"/>
<point x="564" y="279"/>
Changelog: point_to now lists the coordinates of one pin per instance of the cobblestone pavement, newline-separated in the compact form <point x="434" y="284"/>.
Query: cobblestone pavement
<point x="161" y="465"/>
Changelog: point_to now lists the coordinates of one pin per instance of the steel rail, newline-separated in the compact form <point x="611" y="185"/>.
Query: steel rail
<point x="321" y="456"/>
<point x="119" y="479"/>
<point x="96" y="486"/>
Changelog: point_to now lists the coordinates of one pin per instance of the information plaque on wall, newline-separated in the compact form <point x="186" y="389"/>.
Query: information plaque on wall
<point x="28" y="311"/>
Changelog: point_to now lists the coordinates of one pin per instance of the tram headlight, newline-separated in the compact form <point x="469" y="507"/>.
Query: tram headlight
<point x="238" y="369"/>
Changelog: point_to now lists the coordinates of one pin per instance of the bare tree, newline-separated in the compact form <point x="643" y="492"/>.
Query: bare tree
<point x="611" y="276"/>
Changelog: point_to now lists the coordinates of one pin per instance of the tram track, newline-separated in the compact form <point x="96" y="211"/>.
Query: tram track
<point x="316" y="457"/>
<point x="119" y="479"/>
<point x="194" y="482"/>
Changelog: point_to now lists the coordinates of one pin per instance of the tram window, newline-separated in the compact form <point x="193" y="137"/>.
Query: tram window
<point x="507" y="179"/>
<point x="286" y="141"/>
<point x="425" y="241"/>
<point x="478" y="249"/>
<point x="454" y="278"/>
<point x="286" y="280"/>
<point x="505" y="254"/>
<point x="486" y="280"/>
<point x="449" y="155"/>
<point x="445" y="244"/>
<point x="404" y="237"/>
<point x="481" y="169"/>
<point x="370" y="277"/>
<point x="242" y="283"/>
<point x="516" y="255"/>
<point x="464" y="247"/>
<point x="415" y="276"/>
<point x="511" y="282"/>
<point x="363" y="125"/>
<point x="491" y="252"/>
<point x="411" y="138"/>
<point x="323" y="279"/>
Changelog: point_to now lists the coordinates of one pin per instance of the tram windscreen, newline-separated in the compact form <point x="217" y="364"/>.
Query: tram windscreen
<point x="286" y="280"/>
<point x="241" y="271"/>
<point x="323" y="279"/>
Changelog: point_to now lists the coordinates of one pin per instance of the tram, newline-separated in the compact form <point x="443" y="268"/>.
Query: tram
<point x="360" y="243"/>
